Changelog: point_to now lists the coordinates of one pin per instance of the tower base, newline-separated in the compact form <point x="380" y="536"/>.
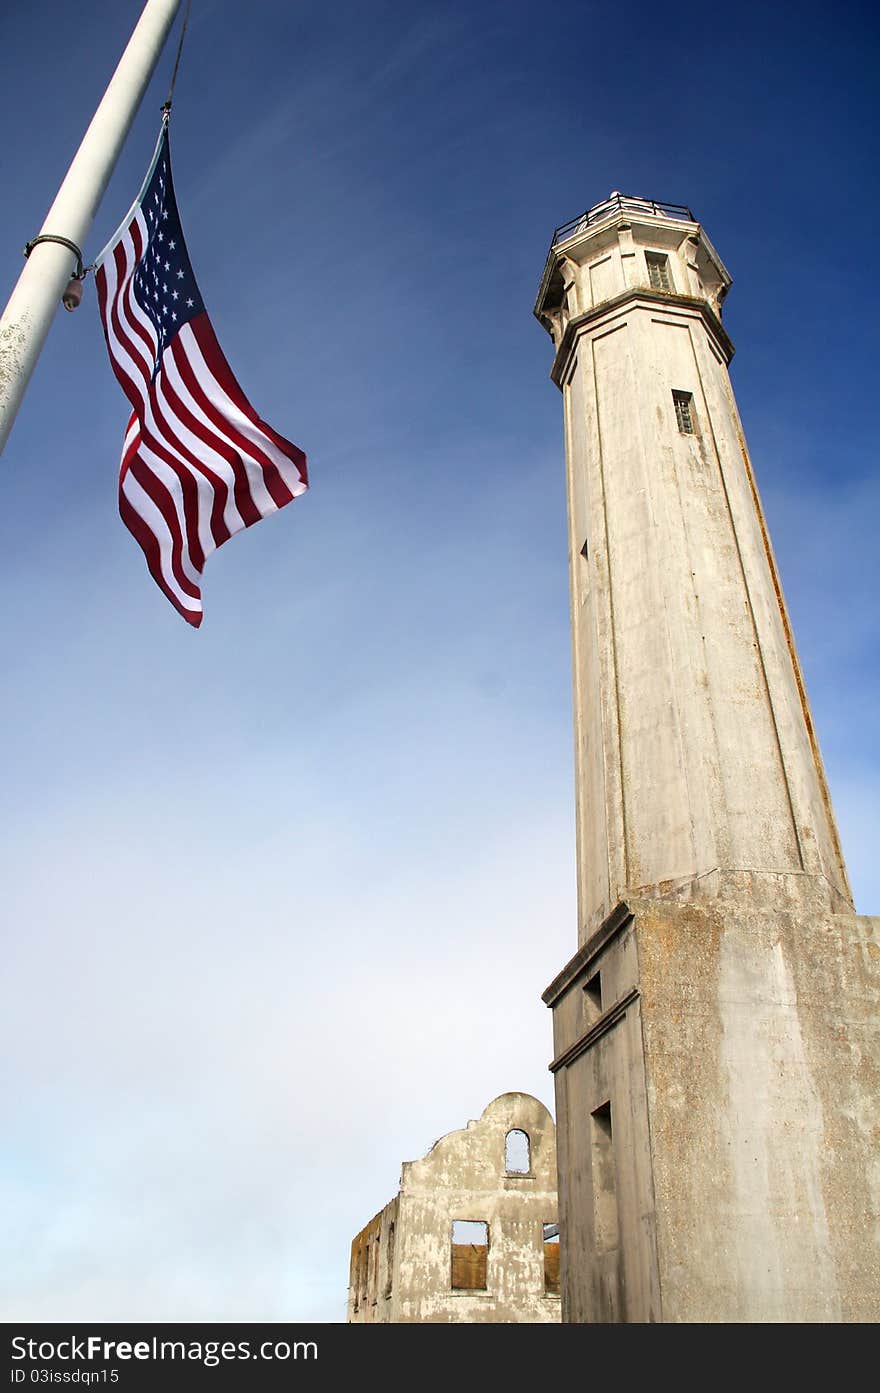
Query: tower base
<point x="717" y="1079"/>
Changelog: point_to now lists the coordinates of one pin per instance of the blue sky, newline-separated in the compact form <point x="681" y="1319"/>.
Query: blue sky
<point x="282" y="894"/>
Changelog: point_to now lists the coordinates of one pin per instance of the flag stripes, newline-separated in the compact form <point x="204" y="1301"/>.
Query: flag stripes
<point x="198" y="463"/>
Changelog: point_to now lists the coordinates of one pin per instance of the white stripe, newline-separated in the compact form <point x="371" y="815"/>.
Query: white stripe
<point x="206" y="492"/>
<point x="166" y="475"/>
<point x="132" y="306"/>
<point x="147" y="510"/>
<point x="203" y="451"/>
<point x="213" y="390"/>
<point x="133" y="431"/>
<point x="263" y="500"/>
<point x="118" y="290"/>
<point x="138" y="368"/>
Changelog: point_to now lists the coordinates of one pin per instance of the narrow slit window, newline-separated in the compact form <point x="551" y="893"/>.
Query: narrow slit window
<point x="658" y="271"/>
<point x="470" y="1254"/>
<point x="593" y="997"/>
<point x="606" y="1232"/>
<point x="684" y="412"/>
<point x="389" y="1260"/>
<point x="517" y="1153"/>
<point x="551" y="1259"/>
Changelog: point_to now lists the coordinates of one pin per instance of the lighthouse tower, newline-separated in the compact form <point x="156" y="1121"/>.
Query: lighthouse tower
<point x="716" y="1034"/>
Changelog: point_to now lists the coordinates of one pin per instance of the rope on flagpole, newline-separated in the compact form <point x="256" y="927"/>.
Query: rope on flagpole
<point x="166" y="105"/>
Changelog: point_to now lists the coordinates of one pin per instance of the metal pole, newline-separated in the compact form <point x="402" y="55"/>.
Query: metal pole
<point x="32" y="305"/>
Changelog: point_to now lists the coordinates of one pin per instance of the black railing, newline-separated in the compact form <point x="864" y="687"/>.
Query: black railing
<point x="621" y="203"/>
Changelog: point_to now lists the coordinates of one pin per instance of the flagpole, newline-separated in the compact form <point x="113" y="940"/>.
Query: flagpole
<point x="28" y="316"/>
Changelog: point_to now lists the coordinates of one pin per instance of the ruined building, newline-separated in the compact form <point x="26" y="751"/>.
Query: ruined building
<point x="715" y="1035"/>
<point x="472" y="1233"/>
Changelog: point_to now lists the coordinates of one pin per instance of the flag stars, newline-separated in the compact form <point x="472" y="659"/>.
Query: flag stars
<point x="189" y="304"/>
<point x="180" y="275"/>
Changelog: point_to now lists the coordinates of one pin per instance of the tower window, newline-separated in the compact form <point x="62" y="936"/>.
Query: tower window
<point x="593" y="998"/>
<point x="684" y="412"/>
<point x="551" y="1259"/>
<point x="470" y="1252"/>
<point x="517" y="1158"/>
<point x="606" y="1232"/>
<point x="658" y="271"/>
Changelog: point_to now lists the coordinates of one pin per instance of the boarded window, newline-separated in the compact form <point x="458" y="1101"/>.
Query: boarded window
<point x="551" y="1259"/>
<point x="517" y="1153"/>
<point x="470" y="1254"/>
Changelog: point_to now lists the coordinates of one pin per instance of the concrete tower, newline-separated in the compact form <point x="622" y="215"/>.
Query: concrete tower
<point x="716" y="1042"/>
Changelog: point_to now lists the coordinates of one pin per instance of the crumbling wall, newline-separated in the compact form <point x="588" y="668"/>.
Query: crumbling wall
<point x="372" y="1268"/>
<point x="464" y="1179"/>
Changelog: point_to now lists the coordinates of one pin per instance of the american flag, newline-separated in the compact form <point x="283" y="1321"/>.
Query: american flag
<point x="198" y="463"/>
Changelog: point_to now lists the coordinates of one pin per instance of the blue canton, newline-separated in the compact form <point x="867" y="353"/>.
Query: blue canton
<point x="164" y="284"/>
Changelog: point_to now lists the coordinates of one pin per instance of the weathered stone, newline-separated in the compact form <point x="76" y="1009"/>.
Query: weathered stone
<point x="716" y="1034"/>
<point x="407" y="1264"/>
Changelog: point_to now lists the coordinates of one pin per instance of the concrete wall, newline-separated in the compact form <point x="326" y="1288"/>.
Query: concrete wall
<point x="736" y="1052"/>
<point x="695" y="749"/>
<point x="464" y="1177"/>
<point x="716" y="1034"/>
<point x="372" y="1268"/>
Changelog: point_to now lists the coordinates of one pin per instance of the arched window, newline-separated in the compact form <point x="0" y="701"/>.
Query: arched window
<point x="517" y="1153"/>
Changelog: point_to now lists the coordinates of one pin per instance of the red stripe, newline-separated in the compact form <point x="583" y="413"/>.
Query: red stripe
<point x="222" y="441"/>
<point x="134" y="323"/>
<point x="133" y="351"/>
<point x="188" y="490"/>
<point x="219" y="528"/>
<point x="214" y="357"/>
<point x="132" y="464"/>
<point x="127" y="384"/>
<point x="150" y="547"/>
<point x="169" y="448"/>
<point x="159" y="493"/>
<point x="228" y="441"/>
<point x="275" y="485"/>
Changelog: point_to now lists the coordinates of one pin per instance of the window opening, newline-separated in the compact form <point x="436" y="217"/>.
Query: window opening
<point x="684" y="412"/>
<point x="605" y="1218"/>
<point x="517" y="1153"/>
<point x="593" y="997"/>
<point x="658" y="271"/>
<point x="470" y="1253"/>
<point x="551" y="1259"/>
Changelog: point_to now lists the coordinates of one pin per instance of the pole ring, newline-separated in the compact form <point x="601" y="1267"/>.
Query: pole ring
<point x="79" y="273"/>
